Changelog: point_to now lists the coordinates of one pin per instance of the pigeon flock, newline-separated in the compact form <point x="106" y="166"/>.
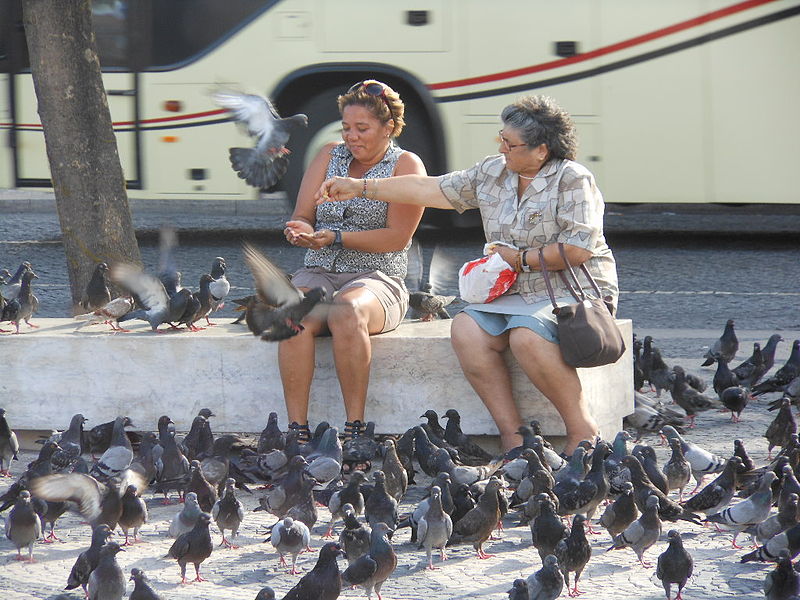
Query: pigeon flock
<point x="436" y="498"/>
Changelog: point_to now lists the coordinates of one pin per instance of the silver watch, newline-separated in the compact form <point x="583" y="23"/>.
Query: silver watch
<point x="337" y="239"/>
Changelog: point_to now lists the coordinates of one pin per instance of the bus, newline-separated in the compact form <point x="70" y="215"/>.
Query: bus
<point x="685" y="101"/>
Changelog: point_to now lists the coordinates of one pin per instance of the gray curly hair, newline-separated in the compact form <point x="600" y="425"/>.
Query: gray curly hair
<point x="539" y="120"/>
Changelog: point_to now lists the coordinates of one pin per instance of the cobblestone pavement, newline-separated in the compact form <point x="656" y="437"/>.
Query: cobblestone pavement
<point x="235" y="574"/>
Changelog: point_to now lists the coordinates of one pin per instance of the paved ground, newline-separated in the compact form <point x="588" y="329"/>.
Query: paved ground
<point x="241" y="573"/>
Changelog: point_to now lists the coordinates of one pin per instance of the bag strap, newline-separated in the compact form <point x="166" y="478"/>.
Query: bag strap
<point x="546" y="275"/>
<point x="574" y="277"/>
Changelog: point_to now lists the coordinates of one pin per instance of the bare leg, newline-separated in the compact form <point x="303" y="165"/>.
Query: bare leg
<point x="543" y="364"/>
<point x="355" y="315"/>
<point x="296" y="363"/>
<point x="481" y="358"/>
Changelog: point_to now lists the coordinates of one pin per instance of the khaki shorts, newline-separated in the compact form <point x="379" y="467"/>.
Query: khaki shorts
<point x="391" y="292"/>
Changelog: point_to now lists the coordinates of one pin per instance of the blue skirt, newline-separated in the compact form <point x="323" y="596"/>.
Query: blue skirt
<point x="508" y="312"/>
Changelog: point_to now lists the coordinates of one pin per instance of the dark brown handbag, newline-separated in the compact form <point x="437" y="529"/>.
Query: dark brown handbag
<point x="587" y="333"/>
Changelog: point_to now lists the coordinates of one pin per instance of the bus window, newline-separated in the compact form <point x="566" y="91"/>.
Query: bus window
<point x="109" y="19"/>
<point x="184" y="29"/>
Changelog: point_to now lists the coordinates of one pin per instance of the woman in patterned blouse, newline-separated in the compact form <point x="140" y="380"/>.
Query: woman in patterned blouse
<point x="532" y="195"/>
<point x="356" y="251"/>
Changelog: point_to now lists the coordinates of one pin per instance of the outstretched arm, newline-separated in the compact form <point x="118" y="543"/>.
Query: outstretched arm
<point x="419" y="190"/>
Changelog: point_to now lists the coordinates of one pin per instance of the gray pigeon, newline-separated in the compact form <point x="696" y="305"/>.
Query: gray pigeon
<point x="279" y="308"/>
<point x="119" y="455"/>
<point x="158" y="306"/>
<point x="770" y="552"/>
<point x="435" y="527"/>
<point x="265" y="593"/>
<point x="642" y="533"/>
<point x="374" y="568"/>
<point x="172" y="467"/>
<point x="265" y="164"/>
<point x="9" y="446"/>
<point x="750" y="511"/>
<point x="716" y="496"/>
<point x="228" y="513"/>
<point x="380" y="507"/>
<point x="97" y="293"/>
<point x="677" y="469"/>
<point x="271" y="438"/>
<point x="134" y="514"/>
<point x="142" y="590"/>
<point x="324" y="581"/>
<point x="547" y="582"/>
<point x="194" y="547"/>
<point x="573" y="553"/>
<point x="782" y="583"/>
<point x="396" y="475"/>
<point x="785" y="518"/>
<point x="463" y="474"/>
<point x="675" y="564"/>
<point x="109" y="313"/>
<point x="349" y="494"/>
<point x="429" y="305"/>
<point x="621" y="513"/>
<point x="701" y="460"/>
<point x="519" y="590"/>
<point x="779" y="431"/>
<point x="23" y="526"/>
<point x="185" y="520"/>
<point x="107" y="582"/>
<point x="547" y="529"/>
<point x="477" y="525"/>
<point x="88" y="559"/>
<point x="725" y="347"/>
<point x="355" y="537"/>
<point x="290" y="537"/>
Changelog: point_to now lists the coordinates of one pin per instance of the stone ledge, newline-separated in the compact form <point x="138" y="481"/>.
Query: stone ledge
<point x="54" y="372"/>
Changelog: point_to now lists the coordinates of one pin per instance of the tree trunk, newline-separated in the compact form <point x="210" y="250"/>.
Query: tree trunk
<point x="87" y="176"/>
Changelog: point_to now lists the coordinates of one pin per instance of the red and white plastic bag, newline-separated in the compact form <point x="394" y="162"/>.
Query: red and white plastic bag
<point x="487" y="278"/>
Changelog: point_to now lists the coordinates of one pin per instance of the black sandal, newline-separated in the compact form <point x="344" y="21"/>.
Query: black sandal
<point x="303" y="432"/>
<point x="352" y="430"/>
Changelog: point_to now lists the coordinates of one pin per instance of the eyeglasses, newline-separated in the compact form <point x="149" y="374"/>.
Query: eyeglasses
<point x="504" y="142"/>
<point x="374" y="89"/>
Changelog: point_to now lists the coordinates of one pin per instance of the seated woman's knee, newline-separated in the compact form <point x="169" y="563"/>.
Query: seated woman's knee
<point x="524" y="340"/>
<point x="347" y="317"/>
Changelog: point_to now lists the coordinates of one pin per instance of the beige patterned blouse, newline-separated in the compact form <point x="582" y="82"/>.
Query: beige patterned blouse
<point x="561" y="204"/>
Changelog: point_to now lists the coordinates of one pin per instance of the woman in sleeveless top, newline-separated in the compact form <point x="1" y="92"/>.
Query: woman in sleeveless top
<point x="356" y="251"/>
<point x="532" y="195"/>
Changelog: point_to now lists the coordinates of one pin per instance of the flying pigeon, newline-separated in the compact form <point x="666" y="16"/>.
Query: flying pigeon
<point x="276" y="314"/>
<point x="265" y="164"/>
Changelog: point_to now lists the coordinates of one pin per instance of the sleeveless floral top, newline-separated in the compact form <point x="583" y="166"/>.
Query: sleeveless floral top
<point x="357" y="214"/>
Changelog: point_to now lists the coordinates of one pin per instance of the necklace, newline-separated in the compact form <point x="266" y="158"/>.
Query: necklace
<point x="525" y="177"/>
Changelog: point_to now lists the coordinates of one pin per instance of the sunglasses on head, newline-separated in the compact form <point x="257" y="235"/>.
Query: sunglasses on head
<point x="374" y="89"/>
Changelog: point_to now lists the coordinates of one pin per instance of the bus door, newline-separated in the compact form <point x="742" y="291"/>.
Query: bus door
<point x="111" y="24"/>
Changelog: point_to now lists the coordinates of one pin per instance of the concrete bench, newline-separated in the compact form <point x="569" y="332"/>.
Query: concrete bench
<point x="53" y="372"/>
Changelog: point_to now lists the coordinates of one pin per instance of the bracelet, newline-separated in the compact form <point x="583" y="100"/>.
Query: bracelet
<point x="518" y="262"/>
<point x="526" y="268"/>
<point x="364" y="190"/>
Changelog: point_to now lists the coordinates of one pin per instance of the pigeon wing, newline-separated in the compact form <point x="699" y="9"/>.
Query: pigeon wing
<point x="148" y="289"/>
<point x="82" y="489"/>
<point x="254" y="112"/>
<point x="272" y="284"/>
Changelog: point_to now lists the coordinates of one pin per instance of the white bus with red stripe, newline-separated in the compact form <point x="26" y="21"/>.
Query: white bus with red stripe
<point x="679" y="101"/>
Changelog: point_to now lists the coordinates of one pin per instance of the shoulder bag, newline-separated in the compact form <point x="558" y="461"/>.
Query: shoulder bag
<point x="588" y="335"/>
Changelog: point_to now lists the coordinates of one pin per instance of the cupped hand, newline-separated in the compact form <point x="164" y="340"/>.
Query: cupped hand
<point x="337" y="189"/>
<point x="316" y="240"/>
<point x="294" y="229"/>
